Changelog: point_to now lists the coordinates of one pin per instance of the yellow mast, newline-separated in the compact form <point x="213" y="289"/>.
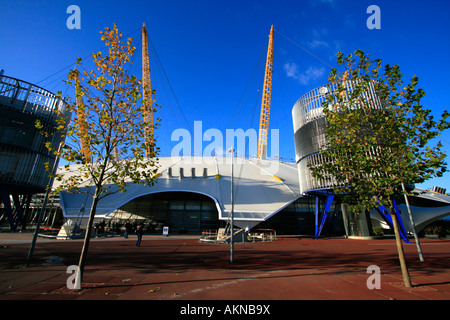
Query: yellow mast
<point x="82" y="124"/>
<point x="265" y="104"/>
<point x="147" y="105"/>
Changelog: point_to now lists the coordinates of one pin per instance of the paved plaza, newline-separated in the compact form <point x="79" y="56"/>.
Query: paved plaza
<point x="177" y="268"/>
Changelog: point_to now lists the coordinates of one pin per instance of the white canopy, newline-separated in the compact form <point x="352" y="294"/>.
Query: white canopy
<point x="261" y="187"/>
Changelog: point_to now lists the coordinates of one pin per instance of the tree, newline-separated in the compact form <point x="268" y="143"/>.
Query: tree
<point x="379" y="137"/>
<point x="106" y="139"/>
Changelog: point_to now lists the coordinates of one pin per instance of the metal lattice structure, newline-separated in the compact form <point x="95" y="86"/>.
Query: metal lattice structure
<point x="23" y="151"/>
<point x="82" y="124"/>
<point x="147" y="105"/>
<point x="310" y="138"/>
<point x="266" y="99"/>
<point x="309" y="129"/>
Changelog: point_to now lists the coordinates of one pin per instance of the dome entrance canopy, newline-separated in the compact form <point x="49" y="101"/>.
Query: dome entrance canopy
<point x="261" y="187"/>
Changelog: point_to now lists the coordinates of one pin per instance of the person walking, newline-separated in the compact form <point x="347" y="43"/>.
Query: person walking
<point x="128" y="228"/>
<point x="139" y="232"/>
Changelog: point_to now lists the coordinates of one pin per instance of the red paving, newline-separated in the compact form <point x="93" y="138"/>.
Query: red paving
<point x="182" y="268"/>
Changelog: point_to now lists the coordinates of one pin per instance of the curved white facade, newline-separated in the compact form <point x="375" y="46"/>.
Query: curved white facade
<point x="261" y="187"/>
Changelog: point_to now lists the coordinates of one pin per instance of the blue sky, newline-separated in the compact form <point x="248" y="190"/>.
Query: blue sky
<point x="210" y="48"/>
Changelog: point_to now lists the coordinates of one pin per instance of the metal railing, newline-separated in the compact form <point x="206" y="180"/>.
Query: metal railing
<point x="310" y="138"/>
<point x="27" y="97"/>
<point x="254" y="235"/>
<point x="23" y="151"/>
<point x="310" y="106"/>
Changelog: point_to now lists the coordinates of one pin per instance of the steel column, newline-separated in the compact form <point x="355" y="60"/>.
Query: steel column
<point x="318" y="228"/>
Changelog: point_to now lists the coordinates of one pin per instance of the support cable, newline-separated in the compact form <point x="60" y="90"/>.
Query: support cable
<point x="168" y="81"/>
<point x="248" y="86"/>
<point x="72" y="64"/>
<point x="308" y="52"/>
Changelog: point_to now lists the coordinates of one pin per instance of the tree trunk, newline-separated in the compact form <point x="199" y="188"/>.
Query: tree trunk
<point x="87" y="238"/>
<point x="401" y="254"/>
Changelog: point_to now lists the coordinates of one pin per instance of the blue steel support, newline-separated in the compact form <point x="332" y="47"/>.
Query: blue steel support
<point x="328" y="203"/>
<point x="20" y="207"/>
<point x="387" y="218"/>
<point x="8" y="208"/>
<point x="316" y="217"/>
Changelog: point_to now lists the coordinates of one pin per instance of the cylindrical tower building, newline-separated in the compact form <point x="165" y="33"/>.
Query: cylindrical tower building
<point x="23" y="151"/>
<point x="309" y="136"/>
<point x="309" y="130"/>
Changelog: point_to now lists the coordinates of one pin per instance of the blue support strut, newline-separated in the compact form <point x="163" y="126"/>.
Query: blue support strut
<point x="400" y="222"/>
<point x="8" y="208"/>
<point x="387" y="218"/>
<point x="316" y="231"/>
<point x="328" y="203"/>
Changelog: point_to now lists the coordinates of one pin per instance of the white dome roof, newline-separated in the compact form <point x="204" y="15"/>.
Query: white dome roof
<point x="261" y="187"/>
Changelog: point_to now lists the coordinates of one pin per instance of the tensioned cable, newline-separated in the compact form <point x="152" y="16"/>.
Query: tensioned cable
<point x="68" y="66"/>
<point x="166" y="100"/>
<point x="241" y="101"/>
<point x="53" y="74"/>
<point x="310" y="53"/>
<point x="280" y="75"/>
<point x="168" y="81"/>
